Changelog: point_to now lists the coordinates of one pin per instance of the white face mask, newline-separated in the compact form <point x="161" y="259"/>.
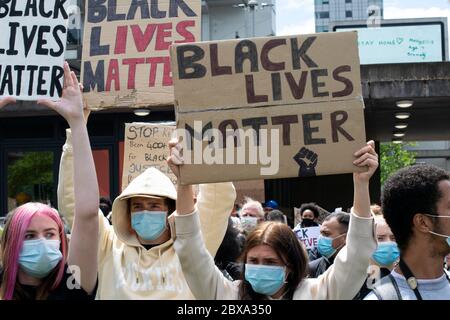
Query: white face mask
<point x="438" y="234"/>
<point x="249" y="223"/>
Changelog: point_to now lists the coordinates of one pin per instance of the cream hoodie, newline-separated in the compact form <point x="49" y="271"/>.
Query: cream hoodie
<point x="341" y="281"/>
<point x="126" y="269"/>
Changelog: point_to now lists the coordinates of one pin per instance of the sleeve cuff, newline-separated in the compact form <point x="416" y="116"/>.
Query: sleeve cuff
<point x="361" y="226"/>
<point x="187" y="224"/>
<point x="67" y="147"/>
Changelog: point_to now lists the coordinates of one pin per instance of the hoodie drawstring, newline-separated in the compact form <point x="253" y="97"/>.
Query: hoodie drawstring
<point x="138" y="265"/>
<point x="161" y="266"/>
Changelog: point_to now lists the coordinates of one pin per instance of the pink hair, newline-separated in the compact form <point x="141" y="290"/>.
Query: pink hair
<point x="13" y="240"/>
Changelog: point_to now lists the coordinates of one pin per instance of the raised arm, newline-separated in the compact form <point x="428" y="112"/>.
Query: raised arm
<point x="84" y="240"/>
<point x="203" y="277"/>
<point x="349" y="270"/>
<point x="367" y="157"/>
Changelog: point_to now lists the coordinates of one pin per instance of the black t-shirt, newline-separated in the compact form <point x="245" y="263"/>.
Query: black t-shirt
<point x="64" y="291"/>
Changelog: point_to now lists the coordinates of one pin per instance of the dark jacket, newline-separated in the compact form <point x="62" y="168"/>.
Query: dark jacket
<point x="319" y="266"/>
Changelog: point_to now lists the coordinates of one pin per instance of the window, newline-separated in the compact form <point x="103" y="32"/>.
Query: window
<point x="323" y="15"/>
<point x="321" y="29"/>
<point x="348" y="14"/>
<point x="348" y="1"/>
<point x="325" y="2"/>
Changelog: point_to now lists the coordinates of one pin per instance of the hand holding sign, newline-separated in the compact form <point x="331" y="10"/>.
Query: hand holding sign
<point x="6" y="100"/>
<point x="367" y="157"/>
<point x="175" y="159"/>
<point x="71" y="104"/>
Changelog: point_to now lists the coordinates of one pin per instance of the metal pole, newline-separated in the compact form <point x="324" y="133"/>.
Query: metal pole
<point x="253" y="22"/>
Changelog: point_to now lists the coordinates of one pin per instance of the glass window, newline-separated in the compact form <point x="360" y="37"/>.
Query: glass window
<point x="348" y="1"/>
<point x="348" y="14"/>
<point x="321" y="29"/>
<point x="30" y="178"/>
<point x="75" y="24"/>
<point x="324" y="15"/>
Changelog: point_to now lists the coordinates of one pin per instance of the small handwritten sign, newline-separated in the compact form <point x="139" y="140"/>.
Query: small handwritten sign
<point x="146" y="146"/>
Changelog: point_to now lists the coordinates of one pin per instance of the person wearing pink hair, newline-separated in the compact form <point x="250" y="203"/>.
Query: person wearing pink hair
<point x="37" y="262"/>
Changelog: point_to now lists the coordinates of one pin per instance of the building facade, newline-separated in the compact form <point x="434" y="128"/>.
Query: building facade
<point x="31" y="136"/>
<point x="328" y="11"/>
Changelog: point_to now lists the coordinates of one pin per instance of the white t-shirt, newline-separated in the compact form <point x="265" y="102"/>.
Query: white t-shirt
<point x="433" y="289"/>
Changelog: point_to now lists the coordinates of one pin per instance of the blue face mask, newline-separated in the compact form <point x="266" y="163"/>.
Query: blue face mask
<point x="39" y="257"/>
<point x="325" y="245"/>
<point x="149" y="225"/>
<point x="265" y="280"/>
<point x="386" y="254"/>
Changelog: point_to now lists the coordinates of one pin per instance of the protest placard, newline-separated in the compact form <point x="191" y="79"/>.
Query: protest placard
<point x="309" y="236"/>
<point x="146" y="146"/>
<point x="268" y="108"/>
<point x="126" y="59"/>
<point x="32" y="48"/>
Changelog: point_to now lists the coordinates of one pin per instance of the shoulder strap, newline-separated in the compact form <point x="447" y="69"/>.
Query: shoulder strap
<point x="387" y="289"/>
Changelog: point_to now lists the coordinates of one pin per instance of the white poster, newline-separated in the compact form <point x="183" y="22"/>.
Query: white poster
<point x="32" y="44"/>
<point x="399" y="44"/>
<point x="309" y="236"/>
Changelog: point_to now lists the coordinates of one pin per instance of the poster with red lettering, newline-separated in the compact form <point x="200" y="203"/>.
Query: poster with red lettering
<point x="126" y="59"/>
<point x="268" y="108"/>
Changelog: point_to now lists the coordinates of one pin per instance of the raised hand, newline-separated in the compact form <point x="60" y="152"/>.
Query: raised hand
<point x="307" y="160"/>
<point x="71" y="104"/>
<point x="6" y="100"/>
<point x="175" y="159"/>
<point x="366" y="157"/>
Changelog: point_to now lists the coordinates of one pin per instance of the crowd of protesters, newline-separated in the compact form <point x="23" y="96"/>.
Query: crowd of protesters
<point x="160" y="241"/>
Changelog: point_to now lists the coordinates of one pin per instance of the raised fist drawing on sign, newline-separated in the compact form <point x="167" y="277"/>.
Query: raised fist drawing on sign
<point x="307" y="160"/>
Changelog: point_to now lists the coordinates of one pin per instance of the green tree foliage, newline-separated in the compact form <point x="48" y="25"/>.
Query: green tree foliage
<point x="33" y="169"/>
<point x="394" y="157"/>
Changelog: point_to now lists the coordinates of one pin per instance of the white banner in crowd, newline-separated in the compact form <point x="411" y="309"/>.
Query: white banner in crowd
<point x="309" y="236"/>
<point x="32" y="47"/>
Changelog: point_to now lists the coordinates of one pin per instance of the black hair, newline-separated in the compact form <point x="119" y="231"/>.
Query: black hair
<point x="310" y="206"/>
<point x="230" y="249"/>
<point x="276" y="215"/>
<point x="105" y="205"/>
<point x="410" y="191"/>
<point x="342" y="217"/>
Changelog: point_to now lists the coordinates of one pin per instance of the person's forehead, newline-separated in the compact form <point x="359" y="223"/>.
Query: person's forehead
<point x="331" y="224"/>
<point x="383" y="229"/>
<point x="262" y="251"/>
<point x="42" y="222"/>
<point x="146" y="200"/>
<point x="307" y="211"/>
<point x="251" y="209"/>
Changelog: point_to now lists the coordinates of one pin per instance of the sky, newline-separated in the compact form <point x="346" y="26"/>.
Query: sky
<point x="297" y="16"/>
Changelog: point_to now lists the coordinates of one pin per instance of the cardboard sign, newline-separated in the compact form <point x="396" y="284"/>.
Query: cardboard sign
<point x="126" y="59"/>
<point x="268" y="108"/>
<point x="146" y="145"/>
<point x="309" y="236"/>
<point x="32" y="46"/>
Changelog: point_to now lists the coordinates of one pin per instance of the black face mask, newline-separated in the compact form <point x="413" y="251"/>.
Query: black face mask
<point x="306" y="223"/>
